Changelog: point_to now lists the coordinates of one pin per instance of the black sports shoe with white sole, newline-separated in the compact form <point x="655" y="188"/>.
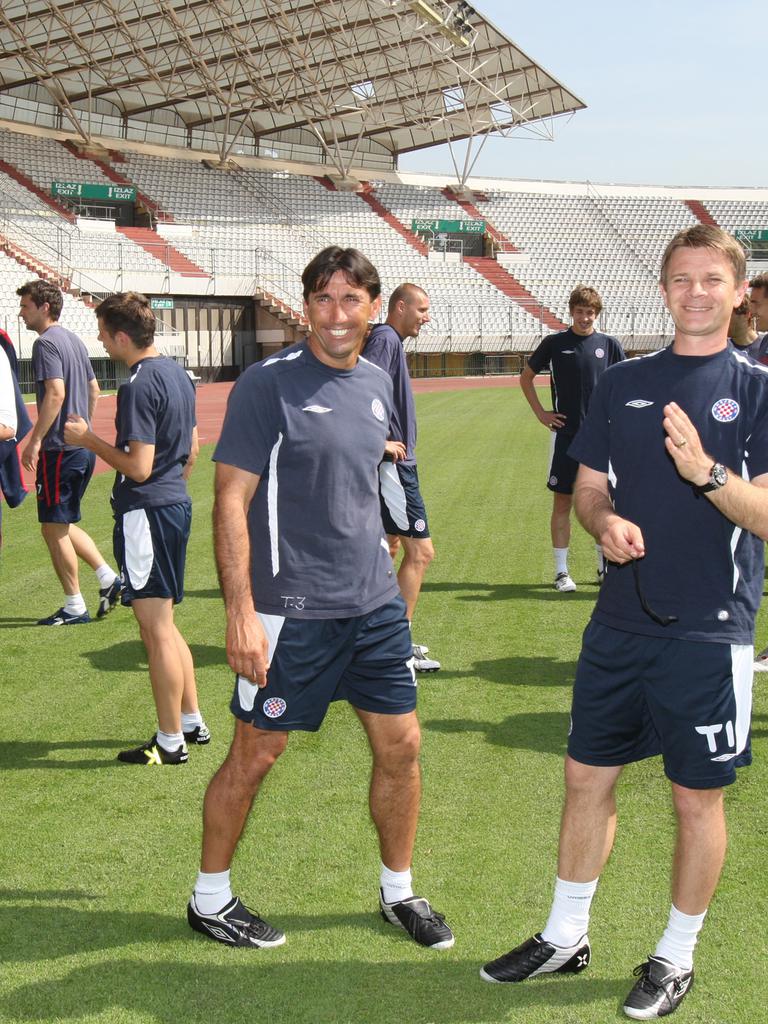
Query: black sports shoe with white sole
<point x="537" y="956"/>
<point x="200" y="735"/>
<point x="659" y="990"/>
<point x="234" y="925"/>
<point x="152" y="753"/>
<point x="416" y="916"/>
<point x="108" y="597"/>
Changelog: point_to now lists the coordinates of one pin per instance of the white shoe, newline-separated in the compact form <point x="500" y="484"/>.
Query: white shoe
<point x="761" y="661"/>
<point x="421" y="662"/>
<point x="563" y="583"/>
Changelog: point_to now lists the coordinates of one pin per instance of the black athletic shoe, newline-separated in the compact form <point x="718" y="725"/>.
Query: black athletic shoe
<point x="536" y="956"/>
<point x="422" y="923"/>
<point x="108" y="597"/>
<point x="152" y="753"/>
<point x="234" y="925"/>
<point x="659" y="989"/>
<point x="64" y="618"/>
<point x="200" y="735"/>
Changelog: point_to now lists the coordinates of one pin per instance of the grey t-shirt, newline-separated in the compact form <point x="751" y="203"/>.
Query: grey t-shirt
<point x="58" y="353"/>
<point x="315" y="437"/>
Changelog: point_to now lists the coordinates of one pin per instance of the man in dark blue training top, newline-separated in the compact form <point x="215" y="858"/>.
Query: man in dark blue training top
<point x="314" y="613"/>
<point x="674" y="484"/>
<point x="65" y="383"/>
<point x="576" y="358"/>
<point x="402" y="506"/>
<point x="154" y="452"/>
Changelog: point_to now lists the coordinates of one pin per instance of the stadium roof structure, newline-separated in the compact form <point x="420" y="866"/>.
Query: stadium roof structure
<point x="355" y="76"/>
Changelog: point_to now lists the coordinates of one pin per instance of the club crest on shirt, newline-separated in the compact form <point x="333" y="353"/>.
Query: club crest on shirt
<point x="377" y="408"/>
<point x="599" y="353"/>
<point x="273" y="707"/>
<point x="725" y="410"/>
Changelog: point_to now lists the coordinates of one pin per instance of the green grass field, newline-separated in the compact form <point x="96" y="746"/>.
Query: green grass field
<point x="97" y="859"/>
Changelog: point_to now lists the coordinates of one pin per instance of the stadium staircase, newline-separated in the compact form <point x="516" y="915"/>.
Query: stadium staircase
<point x="22" y="179"/>
<point x="149" y="204"/>
<point x="381" y="211"/>
<point x="41" y="269"/>
<point x="701" y="213"/>
<point x="162" y="251"/>
<point x="499" y="237"/>
<point x="510" y="286"/>
<point x="493" y="271"/>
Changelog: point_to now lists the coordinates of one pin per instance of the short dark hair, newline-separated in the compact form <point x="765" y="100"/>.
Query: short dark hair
<point x="403" y="293"/>
<point x="760" y="281"/>
<point x="129" y="312"/>
<point x="357" y="269"/>
<point x="583" y="295"/>
<point x="705" y="236"/>
<point x="41" y="292"/>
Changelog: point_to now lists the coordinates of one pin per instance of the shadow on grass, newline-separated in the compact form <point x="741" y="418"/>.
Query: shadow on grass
<point x="265" y="986"/>
<point x="545" y="732"/>
<point x="24" y="754"/>
<point x="512" y="591"/>
<point x="210" y="592"/>
<point x="539" y="671"/>
<point x="129" y="655"/>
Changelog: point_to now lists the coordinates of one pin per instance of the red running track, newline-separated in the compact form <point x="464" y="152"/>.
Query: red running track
<point x="212" y="401"/>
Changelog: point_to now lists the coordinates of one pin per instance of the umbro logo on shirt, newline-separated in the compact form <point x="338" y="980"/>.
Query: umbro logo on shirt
<point x="639" y="403"/>
<point x="567" y="352"/>
<point x="316" y="408"/>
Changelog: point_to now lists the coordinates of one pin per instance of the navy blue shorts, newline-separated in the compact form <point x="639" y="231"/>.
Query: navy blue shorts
<point x="150" y="546"/>
<point x="562" y="468"/>
<point x="61" y="479"/>
<point x="637" y="696"/>
<point x="366" y="660"/>
<point x="402" y="506"/>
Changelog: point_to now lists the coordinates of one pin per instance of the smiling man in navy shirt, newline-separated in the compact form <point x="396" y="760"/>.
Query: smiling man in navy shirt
<point x="673" y="483"/>
<point x="314" y="612"/>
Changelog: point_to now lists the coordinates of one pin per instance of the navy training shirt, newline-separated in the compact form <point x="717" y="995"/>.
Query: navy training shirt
<point x="156" y="405"/>
<point x="384" y="347"/>
<point x="576" y="362"/>
<point x="315" y="436"/>
<point x="698" y="565"/>
<point x="60" y="354"/>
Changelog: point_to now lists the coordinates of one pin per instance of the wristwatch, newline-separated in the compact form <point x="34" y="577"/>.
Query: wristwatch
<point x="718" y="477"/>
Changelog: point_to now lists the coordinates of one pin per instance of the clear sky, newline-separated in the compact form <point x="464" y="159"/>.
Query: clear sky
<point x="675" y="92"/>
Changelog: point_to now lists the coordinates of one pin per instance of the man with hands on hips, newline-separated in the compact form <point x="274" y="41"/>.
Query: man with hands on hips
<point x="673" y="483"/>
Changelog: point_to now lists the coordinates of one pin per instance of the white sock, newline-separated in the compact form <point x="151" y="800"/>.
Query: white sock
<point x="569" y="916"/>
<point x="395" y="885"/>
<point x="600" y="558"/>
<point x="170" y="740"/>
<point x="212" y="891"/>
<point x="680" y="937"/>
<point x="561" y="560"/>
<point x="190" y="719"/>
<point x="105" y="576"/>
<point x="75" y="604"/>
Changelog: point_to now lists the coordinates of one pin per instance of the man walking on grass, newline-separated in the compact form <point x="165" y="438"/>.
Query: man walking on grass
<point x="65" y="384"/>
<point x="155" y="450"/>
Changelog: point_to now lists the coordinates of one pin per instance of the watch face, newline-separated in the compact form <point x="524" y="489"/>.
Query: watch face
<point x="718" y="475"/>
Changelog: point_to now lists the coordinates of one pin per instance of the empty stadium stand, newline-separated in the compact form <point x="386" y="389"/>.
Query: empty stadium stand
<point x="210" y="235"/>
